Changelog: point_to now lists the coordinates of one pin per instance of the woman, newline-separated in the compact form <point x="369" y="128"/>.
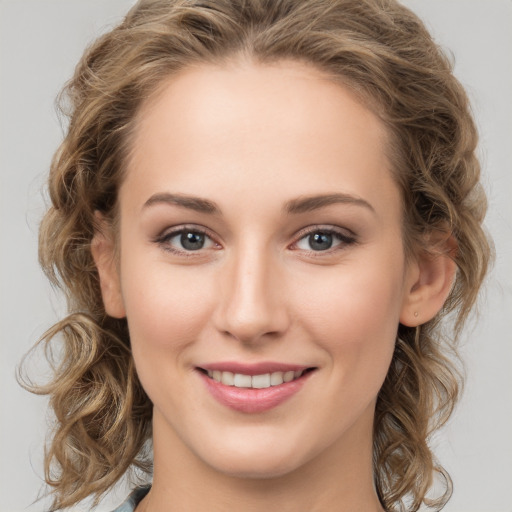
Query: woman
<point x="261" y="213"/>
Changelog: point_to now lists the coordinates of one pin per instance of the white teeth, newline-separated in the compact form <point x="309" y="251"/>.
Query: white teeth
<point x="228" y="378"/>
<point x="288" y="376"/>
<point x="242" y="381"/>
<point x="276" y="378"/>
<point x="262" y="381"/>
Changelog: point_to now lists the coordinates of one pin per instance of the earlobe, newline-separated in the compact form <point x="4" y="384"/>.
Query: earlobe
<point x="429" y="282"/>
<point x="104" y="255"/>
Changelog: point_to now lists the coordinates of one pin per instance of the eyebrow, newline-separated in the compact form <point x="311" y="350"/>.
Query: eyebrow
<point x="192" y="203"/>
<point x="295" y="206"/>
<point x="310" y="203"/>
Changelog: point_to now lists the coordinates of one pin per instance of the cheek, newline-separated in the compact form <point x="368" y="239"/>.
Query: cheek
<point x="353" y="314"/>
<point x="353" y="302"/>
<point x="166" y="307"/>
<point x="166" y="310"/>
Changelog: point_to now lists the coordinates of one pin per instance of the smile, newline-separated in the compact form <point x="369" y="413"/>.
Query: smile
<point x="261" y="381"/>
<point x="254" y="388"/>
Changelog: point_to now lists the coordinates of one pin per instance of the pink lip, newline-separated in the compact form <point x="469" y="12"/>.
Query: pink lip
<point x="249" y="400"/>
<point x="253" y="368"/>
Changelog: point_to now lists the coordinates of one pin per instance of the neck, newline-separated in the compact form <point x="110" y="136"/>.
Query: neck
<point x="340" y="478"/>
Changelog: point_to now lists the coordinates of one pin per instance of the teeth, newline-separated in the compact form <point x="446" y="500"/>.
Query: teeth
<point x="228" y="378"/>
<point x="288" y="376"/>
<point x="276" y="378"/>
<point x="263" y="381"/>
<point x="242" y="381"/>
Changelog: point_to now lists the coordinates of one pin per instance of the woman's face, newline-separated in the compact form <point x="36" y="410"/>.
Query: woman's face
<point x="260" y="241"/>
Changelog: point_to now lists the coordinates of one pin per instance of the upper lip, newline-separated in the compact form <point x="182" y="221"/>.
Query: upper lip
<point x="253" y="368"/>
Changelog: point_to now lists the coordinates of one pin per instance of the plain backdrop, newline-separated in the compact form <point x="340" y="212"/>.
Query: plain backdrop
<point x="41" y="41"/>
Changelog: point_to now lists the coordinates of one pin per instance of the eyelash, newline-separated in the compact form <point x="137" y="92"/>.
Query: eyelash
<point x="164" y="240"/>
<point x="344" y="239"/>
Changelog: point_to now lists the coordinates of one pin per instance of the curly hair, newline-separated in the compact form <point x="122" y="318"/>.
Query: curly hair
<point x="383" y="53"/>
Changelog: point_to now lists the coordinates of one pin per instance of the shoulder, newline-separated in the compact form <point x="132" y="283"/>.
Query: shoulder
<point x="133" y="500"/>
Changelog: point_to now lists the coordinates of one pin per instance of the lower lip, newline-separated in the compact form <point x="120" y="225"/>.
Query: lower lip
<point x="250" y="400"/>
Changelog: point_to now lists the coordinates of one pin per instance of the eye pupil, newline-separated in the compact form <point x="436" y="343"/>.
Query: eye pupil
<point x="320" y="241"/>
<point x="192" y="241"/>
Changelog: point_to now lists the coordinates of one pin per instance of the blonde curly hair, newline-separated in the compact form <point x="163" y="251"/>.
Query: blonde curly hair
<point x="384" y="54"/>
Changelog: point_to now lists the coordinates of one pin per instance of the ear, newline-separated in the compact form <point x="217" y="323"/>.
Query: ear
<point x="104" y="255"/>
<point x="429" y="280"/>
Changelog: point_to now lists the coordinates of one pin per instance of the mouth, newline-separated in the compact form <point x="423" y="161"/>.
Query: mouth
<point x="256" y="388"/>
<point x="258" y="381"/>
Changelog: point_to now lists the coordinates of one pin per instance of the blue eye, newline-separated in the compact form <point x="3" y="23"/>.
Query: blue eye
<point x="192" y="241"/>
<point x="186" y="240"/>
<point x="320" y="241"/>
<point x="323" y="240"/>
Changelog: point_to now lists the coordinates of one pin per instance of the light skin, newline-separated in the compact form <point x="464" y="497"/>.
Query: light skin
<point x="280" y="179"/>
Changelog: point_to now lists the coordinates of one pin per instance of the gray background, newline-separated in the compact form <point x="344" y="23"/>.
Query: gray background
<point x="41" y="41"/>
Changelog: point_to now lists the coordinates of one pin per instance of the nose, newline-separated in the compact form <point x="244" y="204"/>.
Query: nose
<point x="252" y="305"/>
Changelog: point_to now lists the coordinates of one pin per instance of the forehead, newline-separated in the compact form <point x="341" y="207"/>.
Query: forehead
<point x="243" y="91"/>
<point x="250" y="124"/>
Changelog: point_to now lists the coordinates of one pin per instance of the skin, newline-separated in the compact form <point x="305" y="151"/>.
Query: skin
<point x="254" y="140"/>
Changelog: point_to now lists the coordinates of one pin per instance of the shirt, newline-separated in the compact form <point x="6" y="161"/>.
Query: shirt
<point x="133" y="500"/>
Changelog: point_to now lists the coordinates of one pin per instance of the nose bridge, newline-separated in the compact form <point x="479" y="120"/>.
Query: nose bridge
<point x="252" y="304"/>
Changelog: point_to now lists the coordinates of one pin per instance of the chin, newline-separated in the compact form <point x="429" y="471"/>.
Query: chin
<point x="255" y="460"/>
<point x="256" y="468"/>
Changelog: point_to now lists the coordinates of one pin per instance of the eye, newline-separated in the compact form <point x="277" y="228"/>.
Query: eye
<point x="320" y="240"/>
<point x="185" y="240"/>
